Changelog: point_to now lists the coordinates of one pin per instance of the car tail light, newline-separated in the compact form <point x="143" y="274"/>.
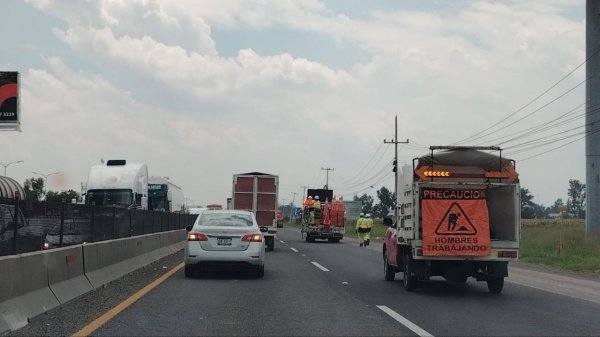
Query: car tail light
<point x="192" y="236"/>
<point x="508" y="253"/>
<point x="255" y="237"/>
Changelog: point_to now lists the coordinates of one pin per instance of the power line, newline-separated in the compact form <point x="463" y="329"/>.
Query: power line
<point x="533" y="112"/>
<point x="470" y="138"/>
<point x="546" y="143"/>
<point x="366" y="164"/>
<point x="374" y="165"/>
<point x="543" y="126"/>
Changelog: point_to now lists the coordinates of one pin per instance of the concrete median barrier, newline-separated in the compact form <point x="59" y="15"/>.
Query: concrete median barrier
<point x="65" y="273"/>
<point x="24" y="291"/>
<point x="33" y="283"/>
<point x="173" y="241"/>
<point x="109" y="260"/>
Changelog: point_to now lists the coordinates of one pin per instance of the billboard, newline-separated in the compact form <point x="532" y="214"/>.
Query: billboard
<point x="10" y="118"/>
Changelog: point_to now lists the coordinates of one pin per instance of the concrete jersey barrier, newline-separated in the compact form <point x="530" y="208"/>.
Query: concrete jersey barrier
<point x="24" y="291"/>
<point x="33" y="283"/>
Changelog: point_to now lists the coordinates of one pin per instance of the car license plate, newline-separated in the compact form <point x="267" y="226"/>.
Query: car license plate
<point x="224" y="241"/>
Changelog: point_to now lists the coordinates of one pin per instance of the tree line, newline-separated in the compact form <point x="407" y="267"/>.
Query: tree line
<point x="35" y="191"/>
<point x="574" y="208"/>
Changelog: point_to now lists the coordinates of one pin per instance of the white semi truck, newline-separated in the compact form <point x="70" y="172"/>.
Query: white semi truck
<point x="118" y="183"/>
<point x="458" y="212"/>
<point x="163" y="195"/>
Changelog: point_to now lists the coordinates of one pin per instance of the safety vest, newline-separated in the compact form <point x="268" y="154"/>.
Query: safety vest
<point x="360" y="223"/>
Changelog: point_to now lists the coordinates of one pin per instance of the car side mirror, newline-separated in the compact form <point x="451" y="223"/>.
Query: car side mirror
<point x="264" y="229"/>
<point x="189" y="228"/>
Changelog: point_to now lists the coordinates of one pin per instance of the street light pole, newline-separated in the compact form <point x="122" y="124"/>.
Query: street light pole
<point x="6" y="165"/>
<point x="45" y="179"/>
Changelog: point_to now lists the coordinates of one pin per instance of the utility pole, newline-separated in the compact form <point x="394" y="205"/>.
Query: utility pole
<point x="292" y="207"/>
<point x="293" y="197"/>
<point x="592" y="119"/>
<point x="327" y="181"/>
<point x="395" y="142"/>
<point x="304" y="196"/>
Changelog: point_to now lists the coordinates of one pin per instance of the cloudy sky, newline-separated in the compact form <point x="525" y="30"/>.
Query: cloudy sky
<point x="201" y="90"/>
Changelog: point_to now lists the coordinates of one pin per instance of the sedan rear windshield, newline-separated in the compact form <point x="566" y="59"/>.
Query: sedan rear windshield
<point x="226" y="219"/>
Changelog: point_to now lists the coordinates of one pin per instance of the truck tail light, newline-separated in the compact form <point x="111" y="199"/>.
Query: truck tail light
<point x="508" y="253"/>
<point x="193" y="236"/>
<point x="254" y="237"/>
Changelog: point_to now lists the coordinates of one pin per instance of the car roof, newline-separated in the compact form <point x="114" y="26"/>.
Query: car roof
<point x="231" y="211"/>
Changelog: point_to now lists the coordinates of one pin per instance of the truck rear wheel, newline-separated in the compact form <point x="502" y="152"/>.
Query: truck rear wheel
<point x="388" y="271"/>
<point x="270" y="242"/>
<point x="495" y="284"/>
<point x="410" y="280"/>
<point x="310" y="239"/>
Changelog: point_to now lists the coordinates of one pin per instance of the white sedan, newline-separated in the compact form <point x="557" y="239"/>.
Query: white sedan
<point x="225" y="239"/>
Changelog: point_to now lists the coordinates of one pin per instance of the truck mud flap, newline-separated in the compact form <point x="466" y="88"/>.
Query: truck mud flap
<point x="270" y="243"/>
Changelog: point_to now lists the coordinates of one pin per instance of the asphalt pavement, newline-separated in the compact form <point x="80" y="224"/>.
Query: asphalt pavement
<point x="338" y="289"/>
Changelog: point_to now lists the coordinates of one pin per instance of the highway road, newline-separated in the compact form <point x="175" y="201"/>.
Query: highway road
<point x="327" y="289"/>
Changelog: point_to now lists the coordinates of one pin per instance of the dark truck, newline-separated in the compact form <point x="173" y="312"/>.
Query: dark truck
<point x="329" y="219"/>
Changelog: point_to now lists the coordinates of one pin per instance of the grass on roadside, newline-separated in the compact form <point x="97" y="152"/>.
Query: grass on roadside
<point x="540" y="244"/>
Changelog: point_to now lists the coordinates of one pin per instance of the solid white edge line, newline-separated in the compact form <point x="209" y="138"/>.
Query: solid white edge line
<point x="557" y="292"/>
<point x="294" y="250"/>
<point x="412" y="326"/>
<point x="319" y="266"/>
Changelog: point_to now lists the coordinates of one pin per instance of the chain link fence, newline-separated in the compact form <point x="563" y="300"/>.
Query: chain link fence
<point x="27" y="226"/>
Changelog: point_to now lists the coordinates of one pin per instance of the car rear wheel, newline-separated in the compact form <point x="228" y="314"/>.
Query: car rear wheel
<point x="189" y="272"/>
<point x="260" y="272"/>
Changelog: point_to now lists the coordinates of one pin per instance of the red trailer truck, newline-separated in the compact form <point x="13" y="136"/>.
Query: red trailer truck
<point x="257" y="192"/>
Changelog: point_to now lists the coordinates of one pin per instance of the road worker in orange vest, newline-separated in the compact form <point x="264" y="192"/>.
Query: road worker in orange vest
<point x="308" y="204"/>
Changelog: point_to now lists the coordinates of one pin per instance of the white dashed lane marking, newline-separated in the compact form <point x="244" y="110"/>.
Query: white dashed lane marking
<point x="399" y="318"/>
<point x="319" y="266"/>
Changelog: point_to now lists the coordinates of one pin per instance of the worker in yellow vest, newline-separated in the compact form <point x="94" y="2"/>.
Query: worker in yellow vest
<point x="368" y="224"/>
<point x="361" y="229"/>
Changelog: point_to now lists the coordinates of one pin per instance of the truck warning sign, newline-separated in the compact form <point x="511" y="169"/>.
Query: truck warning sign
<point x="455" y="223"/>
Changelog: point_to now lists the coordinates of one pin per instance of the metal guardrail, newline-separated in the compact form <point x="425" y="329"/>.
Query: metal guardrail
<point x="27" y="226"/>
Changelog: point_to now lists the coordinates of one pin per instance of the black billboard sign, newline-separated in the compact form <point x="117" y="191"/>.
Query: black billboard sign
<point x="9" y="100"/>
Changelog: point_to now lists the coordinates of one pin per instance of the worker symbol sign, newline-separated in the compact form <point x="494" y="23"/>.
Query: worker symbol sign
<point x="455" y="223"/>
